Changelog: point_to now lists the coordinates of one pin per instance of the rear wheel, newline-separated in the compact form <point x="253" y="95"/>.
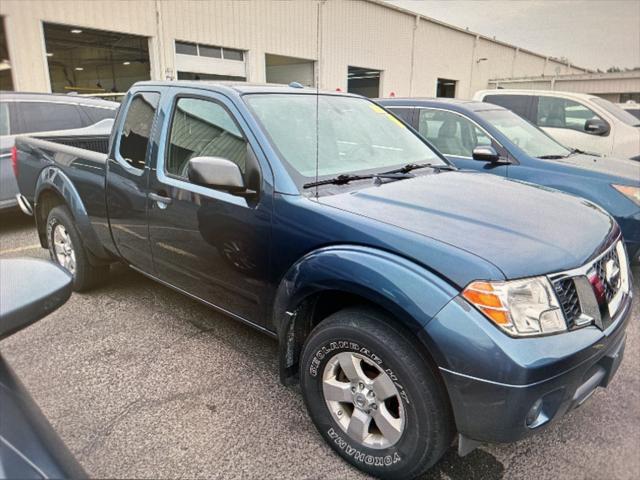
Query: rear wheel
<point x="67" y="250"/>
<point x="372" y="395"/>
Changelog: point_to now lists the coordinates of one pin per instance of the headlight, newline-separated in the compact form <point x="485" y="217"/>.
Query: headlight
<point x="632" y="193"/>
<point x="519" y="307"/>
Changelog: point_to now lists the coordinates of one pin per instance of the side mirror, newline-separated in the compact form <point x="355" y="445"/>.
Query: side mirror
<point x="216" y="172"/>
<point x="25" y="301"/>
<point x="596" y="126"/>
<point x="486" y="153"/>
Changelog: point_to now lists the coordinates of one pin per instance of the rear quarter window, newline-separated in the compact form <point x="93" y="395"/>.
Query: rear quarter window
<point x="46" y="116"/>
<point x="97" y="114"/>
<point x="519" y="104"/>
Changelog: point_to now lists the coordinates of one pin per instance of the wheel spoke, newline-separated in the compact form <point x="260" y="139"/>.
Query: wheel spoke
<point x="359" y="425"/>
<point x="337" y="391"/>
<point x="384" y="387"/>
<point x="351" y="367"/>
<point x="390" y="427"/>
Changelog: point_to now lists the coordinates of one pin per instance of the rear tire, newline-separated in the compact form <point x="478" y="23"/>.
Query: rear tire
<point x="68" y="251"/>
<point x="403" y="422"/>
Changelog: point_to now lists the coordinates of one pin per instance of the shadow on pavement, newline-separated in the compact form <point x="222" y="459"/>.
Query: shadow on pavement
<point x="478" y="465"/>
<point x="15" y="220"/>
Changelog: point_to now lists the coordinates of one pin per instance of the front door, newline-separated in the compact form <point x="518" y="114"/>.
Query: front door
<point x="210" y="243"/>
<point x="455" y="136"/>
<point x="127" y="179"/>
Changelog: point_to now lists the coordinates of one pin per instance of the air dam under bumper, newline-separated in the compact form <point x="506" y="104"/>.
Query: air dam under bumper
<point x="495" y="382"/>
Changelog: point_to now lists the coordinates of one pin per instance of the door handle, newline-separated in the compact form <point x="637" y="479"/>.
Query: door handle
<point x="160" y="200"/>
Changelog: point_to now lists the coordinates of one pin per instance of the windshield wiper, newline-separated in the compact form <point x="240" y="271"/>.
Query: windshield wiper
<point x="551" y="157"/>
<point x="345" y="178"/>
<point x="414" y="166"/>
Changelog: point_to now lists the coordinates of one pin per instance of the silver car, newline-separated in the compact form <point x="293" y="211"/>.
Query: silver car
<point x="48" y="115"/>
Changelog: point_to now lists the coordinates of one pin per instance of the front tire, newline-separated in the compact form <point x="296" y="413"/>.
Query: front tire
<point x="68" y="251"/>
<point x="373" y="396"/>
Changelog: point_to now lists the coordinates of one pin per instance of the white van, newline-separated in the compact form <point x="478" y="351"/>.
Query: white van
<point x="577" y="120"/>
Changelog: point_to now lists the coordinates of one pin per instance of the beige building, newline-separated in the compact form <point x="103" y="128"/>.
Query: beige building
<point x="613" y="86"/>
<point x="364" y="46"/>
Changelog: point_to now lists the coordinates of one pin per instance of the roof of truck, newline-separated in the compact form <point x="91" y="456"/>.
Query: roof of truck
<point x="241" y="87"/>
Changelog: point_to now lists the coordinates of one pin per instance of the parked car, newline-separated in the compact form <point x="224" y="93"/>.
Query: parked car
<point x="411" y="300"/>
<point x="577" y="120"/>
<point x="632" y="107"/>
<point x="29" y="447"/>
<point x="491" y="139"/>
<point x="46" y="115"/>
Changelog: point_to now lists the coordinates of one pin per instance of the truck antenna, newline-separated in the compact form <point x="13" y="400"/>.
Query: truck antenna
<point x="317" y="80"/>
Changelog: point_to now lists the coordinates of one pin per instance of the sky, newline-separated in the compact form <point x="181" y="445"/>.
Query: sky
<point x="590" y="33"/>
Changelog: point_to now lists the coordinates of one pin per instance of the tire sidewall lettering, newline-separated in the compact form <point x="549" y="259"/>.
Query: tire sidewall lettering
<point x="334" y="347"/>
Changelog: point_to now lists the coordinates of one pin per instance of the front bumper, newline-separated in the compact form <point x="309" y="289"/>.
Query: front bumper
<point x="494" y="380"/>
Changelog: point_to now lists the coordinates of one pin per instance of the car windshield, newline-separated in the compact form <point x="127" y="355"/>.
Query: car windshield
<point x="354" y="135"/>
<point x="529" y="138"/>
<point x="617" y="112"/>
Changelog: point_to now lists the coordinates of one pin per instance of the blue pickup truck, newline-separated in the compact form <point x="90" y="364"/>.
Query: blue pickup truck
<point x="411" y="301"/>
<point x="489" y="138"/>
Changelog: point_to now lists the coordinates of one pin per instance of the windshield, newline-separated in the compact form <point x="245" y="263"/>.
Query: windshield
<point x="355" y="135"/>
<point x="528" y="137"/>
<point x="617" y="112"/>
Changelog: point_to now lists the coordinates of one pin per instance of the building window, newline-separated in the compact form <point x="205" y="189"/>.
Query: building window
<point x="446" y="88"/>
<point x="211" y="51"/>
<point x="186" y="48"/>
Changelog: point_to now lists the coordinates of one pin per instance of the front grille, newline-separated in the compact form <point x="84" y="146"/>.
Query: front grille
<point x="569" y="301"/>
<point x="585" y="293"/>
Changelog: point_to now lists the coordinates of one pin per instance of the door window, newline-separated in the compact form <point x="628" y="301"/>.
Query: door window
<point x="47" y="116"/>
<point x="451" y="133"/>
<point x="136" y="130"/>
<point x="558" y="112"/>
<point x="203" y="128"/>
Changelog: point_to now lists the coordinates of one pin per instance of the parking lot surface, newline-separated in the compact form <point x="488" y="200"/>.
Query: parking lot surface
<point x="142" y="382"/>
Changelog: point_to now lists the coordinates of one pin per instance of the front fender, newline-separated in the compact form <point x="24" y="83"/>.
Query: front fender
<point x="409" y="292"/>
<point x="53" y="179"/>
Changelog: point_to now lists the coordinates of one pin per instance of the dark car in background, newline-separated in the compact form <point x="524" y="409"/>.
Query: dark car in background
<point x="489" y="138"/>
<point x="46" y="115"/>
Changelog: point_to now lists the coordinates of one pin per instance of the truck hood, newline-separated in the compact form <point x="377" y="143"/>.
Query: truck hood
<point x="626" y="170"/>
<point x="523" y="230"/>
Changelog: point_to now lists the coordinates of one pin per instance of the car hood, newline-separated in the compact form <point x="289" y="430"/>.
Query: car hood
<point x="521" y="229"/>
<point x="626" y="170"/>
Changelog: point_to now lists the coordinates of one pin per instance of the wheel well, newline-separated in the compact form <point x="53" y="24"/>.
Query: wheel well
<point x="317" y="307"/>
<point x="46" y="201"/>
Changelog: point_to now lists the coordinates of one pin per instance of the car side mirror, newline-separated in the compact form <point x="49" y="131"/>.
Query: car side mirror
<point x="216" y="172"/>
<point x="596" y="126"/>
<point x="25" y="301"/>
<point x="485" y="153"/>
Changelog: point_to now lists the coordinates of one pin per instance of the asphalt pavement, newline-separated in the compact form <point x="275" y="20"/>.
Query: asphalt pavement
<point x="142" y="382"/>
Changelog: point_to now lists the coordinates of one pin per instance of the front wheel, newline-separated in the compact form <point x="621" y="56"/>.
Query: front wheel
<point x="373" y="396"/>
<point x="67" y="250"/>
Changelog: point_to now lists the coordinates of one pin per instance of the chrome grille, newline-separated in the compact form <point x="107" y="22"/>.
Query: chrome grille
<point x="585" y="294"/>
<point x="569" y="301"/>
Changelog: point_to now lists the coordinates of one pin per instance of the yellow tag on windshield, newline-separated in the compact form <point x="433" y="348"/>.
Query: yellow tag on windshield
<point x="376" y="108"/>
<point x="395" y="120"/>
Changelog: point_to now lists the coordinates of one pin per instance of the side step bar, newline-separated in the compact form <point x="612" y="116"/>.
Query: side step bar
<point x="24" y="204"/>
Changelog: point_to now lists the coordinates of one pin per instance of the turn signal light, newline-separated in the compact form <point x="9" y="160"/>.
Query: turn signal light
<point x="482" y="295"/>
